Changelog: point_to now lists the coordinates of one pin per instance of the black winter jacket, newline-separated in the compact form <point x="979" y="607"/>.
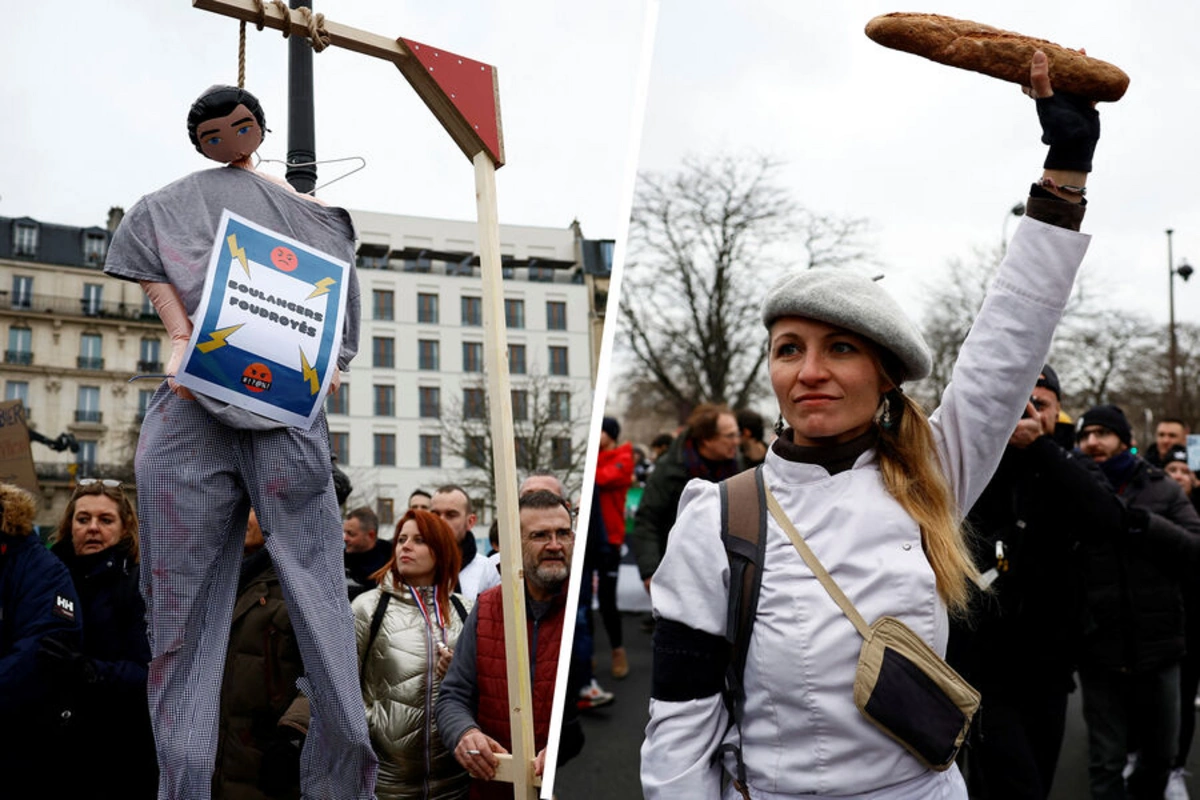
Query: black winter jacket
<point x="1042" y="505"/>
<point x="110" y="734"/>
<point x="1134" y="608"/>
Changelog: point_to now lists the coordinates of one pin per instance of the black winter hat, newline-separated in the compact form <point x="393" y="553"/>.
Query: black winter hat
<point x="1175" y="454"/>
<point x="611" y="427"/>
<point x="1109" y="416"/>
<point x="1049" y="380"/>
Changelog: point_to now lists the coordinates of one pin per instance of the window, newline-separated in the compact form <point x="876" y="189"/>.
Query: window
<point x="472" y="311"/>
<point x="385" y="450"/>
<point x="476" y="453"/>
<point x="430" y="401"/>
<point x="558" y="361"/>
<point x="90" y="347"/>
<point x="472" y="357"/>
<point x="427" y="354"/>
<point x="556" y="315"/>
<point x="520" y="405"/>
<point x="560" y="452"/>
<point x="385" y="401"/>
<point x="144" y="398"/>
<point x="18" y="390"/>
<point x="339" y="446"/>
<point x="539" y="274"/>
<point x="20" y="344"/>
<point x="385" y="510"/>
<point x="86" y="459"/>
<point x="474" y="404"/>
<point x="560" y="406"/>
<point x="87" y="407"/>
<point x="149" y="353"/>
<point x="148" y="309"/>
<point x="93" y="297"/>
<point x="422" y="263"/>
<point x="383" y="352"/>
<point x="338" y="403"/>
<point x="22" y="291"/>
<point x="94" y="248"/>
<point x="516" y="359"/>
<point x="431" y="451"/>
<point x="25" y="239"/>
<point x="514" y="313"/>
<point x="383" y="305"/>
<point x="522" y="447"/>
<point x="427" y="308"/>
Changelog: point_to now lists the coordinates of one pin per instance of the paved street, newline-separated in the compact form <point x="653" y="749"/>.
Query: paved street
<point x="607" y="769"/>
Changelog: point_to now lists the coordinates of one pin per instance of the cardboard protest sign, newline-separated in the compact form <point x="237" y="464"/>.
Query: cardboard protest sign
<point x="16" y="454"/>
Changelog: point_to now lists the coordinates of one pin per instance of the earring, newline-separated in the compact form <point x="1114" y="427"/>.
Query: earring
<point x="883" y="414"/>
<point x="779" y="426"/>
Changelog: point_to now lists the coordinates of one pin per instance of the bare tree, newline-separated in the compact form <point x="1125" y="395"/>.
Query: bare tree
<point x="546" y="424"/>
<point x="702" y="240"/>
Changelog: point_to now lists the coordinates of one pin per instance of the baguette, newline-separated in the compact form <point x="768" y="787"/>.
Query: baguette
<point x="998" y="53"/>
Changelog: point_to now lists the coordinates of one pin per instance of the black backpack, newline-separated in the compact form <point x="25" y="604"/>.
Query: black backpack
<point x="745" y="541"/>
<point x="377" y="621"/>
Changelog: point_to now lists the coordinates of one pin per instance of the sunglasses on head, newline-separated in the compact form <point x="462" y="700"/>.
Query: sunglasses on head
<point x="106" y="482"/>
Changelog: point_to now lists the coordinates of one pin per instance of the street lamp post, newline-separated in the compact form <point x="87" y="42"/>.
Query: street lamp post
<point x="1184" y="271"/>
<point x="1016" y="211"/>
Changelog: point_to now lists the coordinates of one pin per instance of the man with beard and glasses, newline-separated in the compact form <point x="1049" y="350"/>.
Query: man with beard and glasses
<point x="472" y="708"/>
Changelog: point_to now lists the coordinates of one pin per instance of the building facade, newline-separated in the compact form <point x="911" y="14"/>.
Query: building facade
<point x="412" y="409"/>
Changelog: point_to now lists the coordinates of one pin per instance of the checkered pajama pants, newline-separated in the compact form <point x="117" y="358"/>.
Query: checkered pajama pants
<point x="196" y="481"/>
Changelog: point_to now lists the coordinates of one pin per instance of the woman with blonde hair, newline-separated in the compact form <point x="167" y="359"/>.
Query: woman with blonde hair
<point x="110" y="733"/>
<point x="877" y="491"/>
<point x="406" y="631"/>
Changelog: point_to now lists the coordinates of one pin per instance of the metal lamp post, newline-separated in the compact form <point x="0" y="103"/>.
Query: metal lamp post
<point x="1016" y="211"/>
<point x="1184" y="271"/>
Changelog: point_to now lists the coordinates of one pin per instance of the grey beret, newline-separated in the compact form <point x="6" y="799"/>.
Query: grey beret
<point x="856" y="303"/>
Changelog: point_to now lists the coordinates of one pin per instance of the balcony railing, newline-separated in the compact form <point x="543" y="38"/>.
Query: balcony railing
<point x="150" y="366"/>
<point x="21" y="357"/>
<point x="75" y="306"/>
<point x="82" y="415"/>
<point x="90" y="362"/>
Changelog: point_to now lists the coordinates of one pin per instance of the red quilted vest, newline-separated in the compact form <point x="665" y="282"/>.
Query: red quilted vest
<point x="544" y="639"/>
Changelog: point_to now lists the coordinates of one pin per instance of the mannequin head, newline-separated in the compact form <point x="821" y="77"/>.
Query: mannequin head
<point x="226" y="124"/>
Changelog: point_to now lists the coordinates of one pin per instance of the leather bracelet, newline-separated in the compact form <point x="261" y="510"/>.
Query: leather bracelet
<point x="1048" y="183"/>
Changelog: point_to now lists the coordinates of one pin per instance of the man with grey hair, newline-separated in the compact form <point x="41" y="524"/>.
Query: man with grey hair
<point x="472" y="706"/>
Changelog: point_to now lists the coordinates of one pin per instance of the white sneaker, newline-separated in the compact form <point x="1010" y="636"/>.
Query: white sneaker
<point x="1130" y="765"/>
<point x="1177" y="785"/>
<point x="592" y="696"/>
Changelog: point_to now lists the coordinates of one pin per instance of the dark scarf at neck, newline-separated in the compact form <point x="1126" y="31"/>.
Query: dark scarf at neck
<point x="834" y="458"/>
<point x="468" y="547"/>
<point x="1119" y="469"/>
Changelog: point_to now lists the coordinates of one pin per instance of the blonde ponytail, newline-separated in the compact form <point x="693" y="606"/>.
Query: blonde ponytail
<point x="908" y="462"/>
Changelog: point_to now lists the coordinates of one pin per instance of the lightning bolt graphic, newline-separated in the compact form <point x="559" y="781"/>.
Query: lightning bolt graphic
<point x="238" y="252"/>
<point x="310" y="374"/>
<point x="217" y="338"/>
<point x="322" y="287"/>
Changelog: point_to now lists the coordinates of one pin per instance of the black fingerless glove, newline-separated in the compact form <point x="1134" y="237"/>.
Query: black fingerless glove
<point x="1071" y="126"/>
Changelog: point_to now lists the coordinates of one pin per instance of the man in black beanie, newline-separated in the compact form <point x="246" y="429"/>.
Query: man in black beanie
<point x="1134" y="696"/>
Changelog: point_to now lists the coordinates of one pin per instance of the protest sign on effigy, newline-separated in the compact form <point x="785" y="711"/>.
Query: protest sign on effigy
<point x="267" y="331"/>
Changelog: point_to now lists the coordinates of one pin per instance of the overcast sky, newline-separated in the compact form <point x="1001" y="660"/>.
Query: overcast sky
<point x="95" y="97"/>
<point x="934" y="156"/>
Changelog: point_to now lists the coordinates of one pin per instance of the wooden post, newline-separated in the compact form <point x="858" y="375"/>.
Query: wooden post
<point x="463" y="95"/>
<point x="512" y="573"/>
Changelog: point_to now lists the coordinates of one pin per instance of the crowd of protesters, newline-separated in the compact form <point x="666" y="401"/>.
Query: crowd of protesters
<point x="75" y="661"/>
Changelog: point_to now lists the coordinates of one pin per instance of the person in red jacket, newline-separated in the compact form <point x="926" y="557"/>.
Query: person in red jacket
<point x="614" y="475"/>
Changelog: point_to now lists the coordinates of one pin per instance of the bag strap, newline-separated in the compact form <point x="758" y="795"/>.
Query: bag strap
<point x="814" y="564"/>
<point x="744" y="536"/>
<point x="376" y="622"/>
<point x="459" y="607"/>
